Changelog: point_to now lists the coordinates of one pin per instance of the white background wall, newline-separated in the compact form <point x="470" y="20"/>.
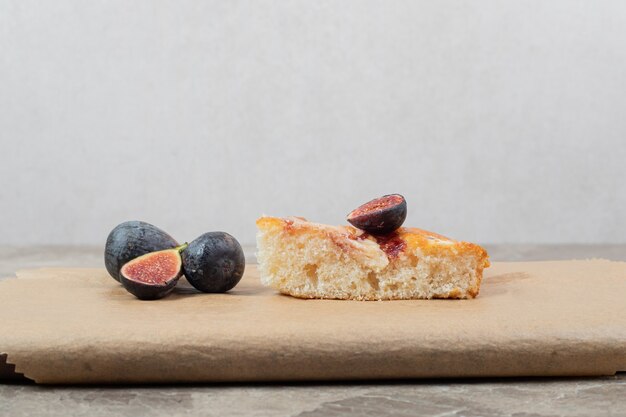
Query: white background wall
<point x="499" y="121"/>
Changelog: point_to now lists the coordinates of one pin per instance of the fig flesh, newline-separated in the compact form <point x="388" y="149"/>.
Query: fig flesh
<point x="214" y="262"/>
<point x="132" y="239"/>
<point x="153" y="275"/>
<point x="380" y="216"/>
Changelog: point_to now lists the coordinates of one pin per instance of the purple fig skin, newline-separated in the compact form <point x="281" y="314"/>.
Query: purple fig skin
<point x="380" y="216"/>
<point x="214" y="262"/>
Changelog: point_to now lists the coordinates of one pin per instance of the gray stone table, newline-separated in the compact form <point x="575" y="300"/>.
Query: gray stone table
<point x="478" y="397"/>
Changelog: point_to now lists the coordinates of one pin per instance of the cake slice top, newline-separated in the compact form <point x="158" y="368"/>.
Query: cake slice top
<point x="405" y="241"/>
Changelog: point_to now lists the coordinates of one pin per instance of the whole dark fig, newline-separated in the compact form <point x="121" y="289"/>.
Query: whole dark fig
<point x="380" y="216"/>
<point x="214" y="262"/>
<point x="153" y="275"/>
<point x="132" y="239"/>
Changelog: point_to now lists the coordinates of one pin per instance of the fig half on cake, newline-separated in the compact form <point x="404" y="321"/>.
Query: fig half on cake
<point x="379" y="216"/>
<point x="312" y="260"/>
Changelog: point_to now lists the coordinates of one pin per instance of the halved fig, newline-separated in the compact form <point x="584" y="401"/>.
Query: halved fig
<point x="153" y="275"/>
<point x="380" y="216"/>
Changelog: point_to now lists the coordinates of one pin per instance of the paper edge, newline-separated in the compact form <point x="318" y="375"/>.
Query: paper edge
<point x="9" y="372"/>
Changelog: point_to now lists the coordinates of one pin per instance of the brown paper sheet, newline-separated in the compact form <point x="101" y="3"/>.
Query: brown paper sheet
<point x="531" y="319"/>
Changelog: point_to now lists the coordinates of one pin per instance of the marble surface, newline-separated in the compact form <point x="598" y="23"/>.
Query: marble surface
<point x="478" y="397"/>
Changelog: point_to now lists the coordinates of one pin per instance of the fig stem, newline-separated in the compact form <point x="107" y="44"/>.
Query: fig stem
<point x="182" y="247"/>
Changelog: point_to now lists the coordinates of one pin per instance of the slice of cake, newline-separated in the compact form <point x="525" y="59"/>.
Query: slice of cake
<point x="311" y="260"/>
